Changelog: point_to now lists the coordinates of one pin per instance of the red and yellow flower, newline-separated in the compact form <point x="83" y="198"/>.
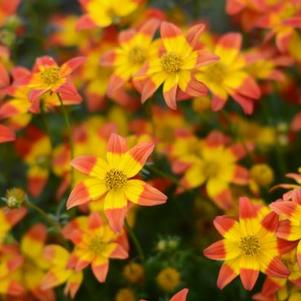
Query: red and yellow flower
<point x="95" y="243"/>
<point x="228" y="76"/>
<point x="59" y="272"/>
<point x="111" y="180"/>
<point x="103" y="13"/>
<point x="48" y="77"/>
<point x="136" y="48"/>
<point x="248" y="246"/>
<point x="178" y="60"/>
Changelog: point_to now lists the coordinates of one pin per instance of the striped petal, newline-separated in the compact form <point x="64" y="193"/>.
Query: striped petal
<point x="222" y="250"/>
<point x="6" y="134"/>
<point x="288" y="231"/>
<point x="181" y="295"/>
<point x="90" y="165"/>
<point x="134" y="160"/>
<point x="117" y="146"/>
<point x="249" y="272"/>
<point x="226" y="274"/>
<point x="68" y="67"/>
<point x="227" y="227"/>
<point x="100" y="269"/>
<point x="85" y="191"/>
<point x="143" y="194"/>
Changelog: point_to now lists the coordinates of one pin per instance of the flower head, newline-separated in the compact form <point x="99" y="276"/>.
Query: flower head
<point x="248" y="246"/>
<point x="95" y="243"/>
<point x="111" y="180"/>
<point x="175" y="66"/>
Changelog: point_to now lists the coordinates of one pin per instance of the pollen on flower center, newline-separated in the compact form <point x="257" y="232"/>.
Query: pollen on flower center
<point x="211" y="168"/>
<point x="137" y="55"/>
<point x="115" y="179"/>
<point x="250" y="245"/>
<point x="171" y="62"/>
<point x="96" y="245"/>
<point x="216" y="72"/>
<point x="51" y="75"/>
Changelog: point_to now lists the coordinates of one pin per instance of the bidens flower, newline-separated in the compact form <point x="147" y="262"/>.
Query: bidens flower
<point x="175" y="66"/>
<point x="103" y="13"/>
<point x="111" y="180"/>
<point x="95" y="243"/>
<point x="48" y="77"/>
<point x="249" y="246"/>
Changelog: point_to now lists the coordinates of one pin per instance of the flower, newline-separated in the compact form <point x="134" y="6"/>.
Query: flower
<point x="48" y="77"/>
<point x="133" y="272"/>
<point x="168" y="279"/>
<point x="59" y="272"/>
<point x="7" y="9"/>
<point x="111" y="180"/>
<point x="262" y="174"/>
<point x="125" y="294"/>
<point x="135" y="49"/>
<point x="175" y="66"/>
<point x="228" y="76"/>
<point x="15" y="197"/>
<point x="248" y="246"/>
<point x="103" y="13"/>
<point x="179" y="296"/>
<point x="95" y="243"/>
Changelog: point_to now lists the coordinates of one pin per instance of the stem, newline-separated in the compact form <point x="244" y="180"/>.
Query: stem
<point x="69" y="129"/>
<point x="135" y="241"/>
<point x="45" y="124"/>
<point x="47" y="218"/>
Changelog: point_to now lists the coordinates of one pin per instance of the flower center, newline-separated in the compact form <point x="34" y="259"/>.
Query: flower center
<point x="216" y="73"/>
<point x="51" y="75"/>
<point x="96" y="245"/>
<point x="115" y="179"/>
<point x="171" y="62"/>
<point x="249" y="245"/>
<point x="137" y="55"/>
<point x="211" y="168"/>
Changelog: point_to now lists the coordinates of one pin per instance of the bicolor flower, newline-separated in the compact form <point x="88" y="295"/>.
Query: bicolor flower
<point x="228" y="76"/>
<point x="94" y="244"/>
<point x="102" y="13"/>
<point x="35" y="149"/>
<point x="249" y="246"/>
<point x="175" y="66"/>
<point x="290" y="225"/>
<point x="111" y="179"/>
<point x="48" y="77"/>
<point x="59" y="272"/>
<point x="136" y="48"/>
<point x="179" y="296"/>
<point x="216" y="166"/>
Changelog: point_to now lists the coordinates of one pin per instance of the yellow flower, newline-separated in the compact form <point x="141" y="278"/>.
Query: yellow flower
<point x="133" y="272"/>
<point x="168" y="279"/>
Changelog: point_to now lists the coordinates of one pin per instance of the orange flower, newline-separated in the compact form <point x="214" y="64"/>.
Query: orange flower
<point x="103" y="13"/>
<point x="48" y="77"/>
<point x="136" y="48"/>
<point x="228" y="76"/>
<point x="111" y="180"/>
<point x="175" y="66"/>
<point x="248" y="246"/>
<point x="95" y="243"/>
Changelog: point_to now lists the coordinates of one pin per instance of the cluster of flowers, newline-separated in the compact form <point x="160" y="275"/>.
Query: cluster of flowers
<point x="123" y="153"/>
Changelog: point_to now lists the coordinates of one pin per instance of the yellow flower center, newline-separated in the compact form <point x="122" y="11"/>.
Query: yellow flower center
<point x="96" y="245"/>
<point x="216" y="73"/>
<point x="211" y="169"/>
<point x="115" y="179"/>
<point x="137" y="55"/>
<point x="51" y="75"/>
<point x="171" y="62"/>
<point x="250" y="245"/>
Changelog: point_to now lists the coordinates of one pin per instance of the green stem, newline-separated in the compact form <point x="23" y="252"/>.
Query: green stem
<point x="69" y="129"/>
<point x="135" y="241"/>
<point x="45" y="123"/>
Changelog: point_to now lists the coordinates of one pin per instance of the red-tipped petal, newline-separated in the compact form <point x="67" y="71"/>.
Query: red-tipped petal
<point x="225" y="276"/>
<point x="181" y="295"/>
<point x="248" y="278"/>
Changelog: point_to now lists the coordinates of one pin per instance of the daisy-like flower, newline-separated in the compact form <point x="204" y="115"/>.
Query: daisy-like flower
<point x="48" y="77"/>
<point x="228" y="76"/>
<point x="175" y="66"/>
<point x="135" y="49"/>
<point x="179" y="296"/>
<point x="248" y="246"/>
<point x="95" y="243"/>
<point x="102" y="13"/>
<point x="111" y="180"/>
<point x="59" y="272"/>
